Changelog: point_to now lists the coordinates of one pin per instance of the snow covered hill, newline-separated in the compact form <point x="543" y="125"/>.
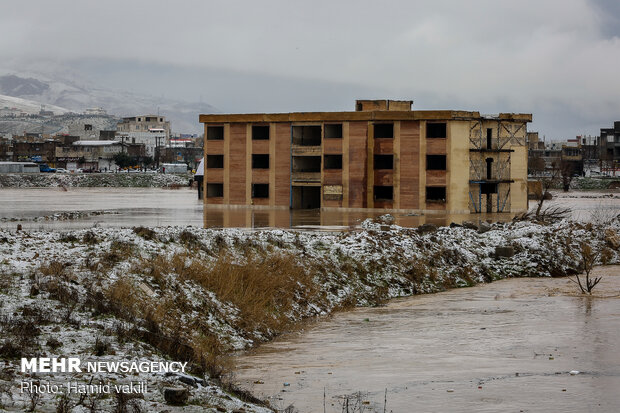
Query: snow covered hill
<point x="58" y="93"/>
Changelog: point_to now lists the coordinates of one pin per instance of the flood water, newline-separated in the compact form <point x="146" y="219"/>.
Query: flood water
<point x="128" y="207"/>
<point x="505" y="346"/>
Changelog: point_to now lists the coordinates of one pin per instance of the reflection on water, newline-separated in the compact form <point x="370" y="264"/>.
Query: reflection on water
<point x="161" y="207"/>
<point x="505" y="346"/>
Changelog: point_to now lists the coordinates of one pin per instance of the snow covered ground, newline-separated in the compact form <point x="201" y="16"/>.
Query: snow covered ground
<point x="137" y="179"/>
<point x="184" y="293"/>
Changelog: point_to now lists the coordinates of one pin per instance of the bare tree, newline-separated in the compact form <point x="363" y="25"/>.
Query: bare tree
<point x="589" y="258"/>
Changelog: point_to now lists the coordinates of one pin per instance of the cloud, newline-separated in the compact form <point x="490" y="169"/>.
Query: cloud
<point x="551" y="56"/>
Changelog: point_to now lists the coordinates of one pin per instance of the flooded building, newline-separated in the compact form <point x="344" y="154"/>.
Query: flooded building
<point x="383" y="155"/>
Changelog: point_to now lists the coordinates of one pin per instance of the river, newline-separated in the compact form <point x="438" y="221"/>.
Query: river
<point x="506" y="346"/>
<point x="127" y="207"/>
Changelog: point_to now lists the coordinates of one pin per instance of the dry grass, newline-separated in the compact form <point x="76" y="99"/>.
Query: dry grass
<point x="119" y="251"/>
<point x="144" y="232"/>
<point x="262" y="288"/>
<point x="123" y="298"/>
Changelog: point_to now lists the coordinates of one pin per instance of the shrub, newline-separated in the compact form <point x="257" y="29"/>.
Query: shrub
<point x="146" y="233"/>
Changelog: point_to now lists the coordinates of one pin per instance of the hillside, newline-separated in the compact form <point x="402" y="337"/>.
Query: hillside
<point x="62" y="94"/>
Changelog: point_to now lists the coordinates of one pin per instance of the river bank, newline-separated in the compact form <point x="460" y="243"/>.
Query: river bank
<point x="90" y="180"/>
<point x="198" y="294"/>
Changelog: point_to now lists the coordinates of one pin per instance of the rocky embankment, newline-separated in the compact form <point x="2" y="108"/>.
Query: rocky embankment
<point x="190" y="294"/>
<point x="51" y="180"/>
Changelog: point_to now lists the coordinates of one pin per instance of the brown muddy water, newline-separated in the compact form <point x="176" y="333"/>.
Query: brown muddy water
<point x="160" y="207"/>
<point x="506" y="346"/>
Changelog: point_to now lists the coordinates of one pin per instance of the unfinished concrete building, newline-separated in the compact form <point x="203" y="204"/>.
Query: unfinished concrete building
<point x="383" y="156"/>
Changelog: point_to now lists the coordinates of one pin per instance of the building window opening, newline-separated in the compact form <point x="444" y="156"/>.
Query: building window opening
<point x="332" y="162"/>
<point x="260" y="132"/>
<point x="215" y="161"/>
<point x="215" y="133"/>
<point x="307" y="135"/>
<point x="306" y="197"/>
<point x="260" y="161"/>
<point x="306" y="164"/>
<point x="489" y="138"/>
<point x="383" y="193"/>
<point x="215" y="190"/>
<point x="435" y="162"/>
<point x="384" y="161"/>
<point x="88" y="127"/>
<point x="489" y="168"/>
<point x="436" y="130"/>
<point x="436" y="194"/>
<point x="384" y="130"/>
<point x="488" y="189"/>
<point x="260" y="190"/>
<point x="333" y="131"/>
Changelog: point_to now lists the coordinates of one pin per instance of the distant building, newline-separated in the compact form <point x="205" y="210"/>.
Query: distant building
<point x="95" y="111"/>
<point x="40" y="152"/>
<point x="91" y="155"/>
<point x="151" y="130"/>
<point x="383" y="155"/>
<point x="610" y="148"/>
<point x="153" y="140"/>
<point x="143" y="124"/>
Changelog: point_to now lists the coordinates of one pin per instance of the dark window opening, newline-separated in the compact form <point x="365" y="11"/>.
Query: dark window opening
<point x="307" y="135"/>
<point x="488" y="189"/>
<point x="435" y="162"/>
<point x="260" y="161"/>
<point x="306" y="197"/>
<point x="436" y="193"/>
<point x="489" y="138"/>
<point x="333" y="131"/>
<point x="358" y="107"/>
<point x="215" y="161"/>
<point x="384" y="130"/>
<point x="384" y="162"/>
<point x="88" y="127"/>
<point x="489" y="168"/>
<point x="260" y="190"/>
<point x="332" y="162"/>
<point x="215" y="133"/>
<point x="436" y="130"/>
<point x="383" y="193"/>
<point x="260" y="132"/>
<point x="306" y="164"/>
<point x="215" y="190"/>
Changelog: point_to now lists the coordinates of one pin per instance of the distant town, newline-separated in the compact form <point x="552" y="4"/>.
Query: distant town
<point x="94" y="142"/>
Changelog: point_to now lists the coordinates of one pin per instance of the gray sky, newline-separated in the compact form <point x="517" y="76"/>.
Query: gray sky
<point x="557" y="59"/>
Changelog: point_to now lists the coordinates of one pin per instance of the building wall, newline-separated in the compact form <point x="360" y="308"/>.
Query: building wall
<point x="358" y="184"/>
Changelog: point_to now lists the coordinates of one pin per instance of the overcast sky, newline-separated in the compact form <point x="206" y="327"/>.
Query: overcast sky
<point x="557" y="59"/>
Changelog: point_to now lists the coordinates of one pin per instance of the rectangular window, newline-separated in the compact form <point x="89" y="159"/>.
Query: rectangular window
<point x="436" y="194"/>
<point x="215" y="190"/>
<point x="384" y="162"/>
<point x="435" y="162"/>
<point x="215" y="133"/>
<point x="333" y="131"/>
<point x="306" y="135"/>
<point x="383" y="193"/>
<point x="384" y="130"/>
<point x="488" y="189"/>
<point x="260" y="132"/>
<point x="260" y="161"/>
<point x="332" y="161"/>
<point x="436" y="130"/>
<point x="215" y="161"/>
<point x="489" y="138"/>
<point x="260" y="190"/>
<point x="306" y="164"/>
